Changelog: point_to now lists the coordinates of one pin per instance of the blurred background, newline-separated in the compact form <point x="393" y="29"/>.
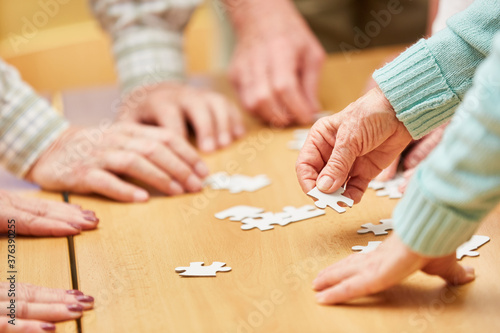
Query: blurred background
<point x="69" y="50"/>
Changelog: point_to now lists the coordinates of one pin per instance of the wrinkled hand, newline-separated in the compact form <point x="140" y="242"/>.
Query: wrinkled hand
<point x="216" y="121"/>
<point x="277" y="62"/>
<point x="89" y="160"/>
<point x="413" y="156"/>
<point x="37" y="308"/>
<point x="39" y="217"/>
<point x="353" y="145"/>
<point x="363" y="274"/>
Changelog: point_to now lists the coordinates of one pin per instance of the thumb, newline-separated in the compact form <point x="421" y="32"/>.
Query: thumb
<point x="336" y="170"/>
<point x="451" y="271"/>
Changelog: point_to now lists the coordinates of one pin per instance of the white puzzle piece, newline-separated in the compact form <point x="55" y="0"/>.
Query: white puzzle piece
<point x="302" y="213"/>
<point x="198" y="269"/>
<point x="331" y="200"/>
<point x="467" y="248"/>
<point x="299" y="139"/>
<point x="377" y="229"/>
<point x="237" y="183"/>
<point x="365" y="249"/>
<point x="253" y="217"/>
<point x="389" y="188"/>
<point x="238" y="213"/>
<point x="264" y="221"/>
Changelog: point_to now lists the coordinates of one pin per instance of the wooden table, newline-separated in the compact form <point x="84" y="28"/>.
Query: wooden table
<point x="128" y="264"/>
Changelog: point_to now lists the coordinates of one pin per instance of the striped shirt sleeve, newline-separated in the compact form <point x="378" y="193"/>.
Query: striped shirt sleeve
<point x="147" y="38"/>
<point x="28" y="124"/>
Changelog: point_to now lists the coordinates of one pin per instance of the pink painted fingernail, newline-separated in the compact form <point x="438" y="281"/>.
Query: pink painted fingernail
<point x="74" y="292"/>
<point x="48" y="327"/>
<point x="91" y="218"/>
<point x="87" y="212"/>
<point x="75" y="307"/>
<point x="84" y="298"/>
<point x="76" y="226"/>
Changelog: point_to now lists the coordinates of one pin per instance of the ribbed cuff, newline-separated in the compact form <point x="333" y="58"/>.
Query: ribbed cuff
<point x="416" y="88"/>
<point x="147" y="56"/>
<point x="427" y="227"/>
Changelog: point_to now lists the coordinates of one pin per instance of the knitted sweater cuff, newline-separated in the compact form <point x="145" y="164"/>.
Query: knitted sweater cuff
<point x="427" y="227"/>
<point x="417" y="89"/>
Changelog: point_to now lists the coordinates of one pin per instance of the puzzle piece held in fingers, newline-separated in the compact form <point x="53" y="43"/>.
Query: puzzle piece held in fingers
<point x="198" y="269"/>
<point x="330" y="200"/>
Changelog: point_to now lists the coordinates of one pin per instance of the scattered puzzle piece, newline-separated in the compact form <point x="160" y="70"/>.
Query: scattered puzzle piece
<point x="237" y="183"/>
<point x="302" y="213"/>
<point x="238" y="213"/>
<point x="365" y="249"/>
<point x="389" y="188"/>
<point x="198" y="269"/>
<point x="264" y="221"/>
<point x="299" y="139"/>
<point x="377" y="229"/>
<point x="466" y="249"/>
<point x="253" y="217"/>
<point x="331" y="200"/>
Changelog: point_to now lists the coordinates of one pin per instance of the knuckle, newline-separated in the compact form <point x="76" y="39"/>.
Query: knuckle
<point x="22" y="309"/>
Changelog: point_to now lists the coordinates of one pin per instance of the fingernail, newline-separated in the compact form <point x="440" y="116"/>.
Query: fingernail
<point x="324" y="183"/>
<point x="84" y="298"/>
<point x="201" y="169"/>
<point x="208" y="145"/>
<point x="224" y="139"/>
<point x="74" y="292"/>
<point x="91" y="218"/>
<point x="76" y="206"/>
<point x="76" y="226"/>
<point x="176" y="188"/>
<point x="48" y="327"/>
<point x="140" y="196"/>
<point x="87" y="212"/>
<point x="75" y="307"/>
<point x="193" y="183"/>
<point x="470" y="272"/>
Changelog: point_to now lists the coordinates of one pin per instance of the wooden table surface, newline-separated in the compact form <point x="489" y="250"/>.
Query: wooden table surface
<point x="128" y="263"/>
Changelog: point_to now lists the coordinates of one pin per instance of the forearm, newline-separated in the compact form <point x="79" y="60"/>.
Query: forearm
<point x="426" y="83"/>
<point x="459" y="184"/>
<point x="28" y="125"/>
<point x="147" y="38"/>
<point x="243" y="13"/>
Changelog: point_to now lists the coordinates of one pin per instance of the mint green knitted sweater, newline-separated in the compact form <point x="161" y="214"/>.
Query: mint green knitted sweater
<point x="459" y="183"/>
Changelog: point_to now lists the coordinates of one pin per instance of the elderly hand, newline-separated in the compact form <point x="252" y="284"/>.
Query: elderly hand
<point x="216" y="121"/>
<point x="90" y="160"/>
<point x="353" y="145"/>
<point x="277" y="62"/>
<point x="363" y="274"/>
<point x="37" y="308"/>
<point x="413" y="156"/>
<point x="39" y="217"/>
